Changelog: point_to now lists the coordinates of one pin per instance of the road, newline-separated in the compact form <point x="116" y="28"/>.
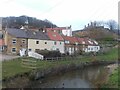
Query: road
<point x="7" y="57"/>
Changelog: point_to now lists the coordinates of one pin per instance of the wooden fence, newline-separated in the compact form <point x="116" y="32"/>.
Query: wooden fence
<point x="29" y="63"/>
<point x="61" y="58"/>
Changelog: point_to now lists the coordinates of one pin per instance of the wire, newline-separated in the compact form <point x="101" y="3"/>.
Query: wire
<point x="53" y="7"/>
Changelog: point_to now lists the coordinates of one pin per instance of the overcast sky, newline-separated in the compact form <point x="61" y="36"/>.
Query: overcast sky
<point x="62" y="12"/>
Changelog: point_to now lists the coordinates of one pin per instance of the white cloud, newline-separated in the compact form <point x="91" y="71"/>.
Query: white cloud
<point x="62" y="12"/>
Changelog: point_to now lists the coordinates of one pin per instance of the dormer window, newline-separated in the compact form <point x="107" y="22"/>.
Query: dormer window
<point x="96" y="42"/>
<point x="90" y="42"/>
<point x="83" y="42"/>
<point x="67" y="42"/>
<point x="54" y="35"/>
<point x="76" y="43"/>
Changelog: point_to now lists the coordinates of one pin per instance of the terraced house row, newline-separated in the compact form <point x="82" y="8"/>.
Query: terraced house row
<point x="16" y="40"/>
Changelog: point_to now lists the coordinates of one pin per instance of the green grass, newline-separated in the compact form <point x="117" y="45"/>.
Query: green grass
<point x="113" y="80"/>
<point x="14" y="67"/>
<point x="110" y="55"/>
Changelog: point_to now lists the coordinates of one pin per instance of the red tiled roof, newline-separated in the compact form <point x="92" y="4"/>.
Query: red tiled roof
<point x="86" y="41"/>
<point x="2" y="42"/>
<point x="72" y="40"/>
<point x="80" y="40"/>
<point x="55" y="36"/>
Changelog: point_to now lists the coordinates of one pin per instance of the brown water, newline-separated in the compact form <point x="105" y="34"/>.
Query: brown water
<point x="89" y="77"/>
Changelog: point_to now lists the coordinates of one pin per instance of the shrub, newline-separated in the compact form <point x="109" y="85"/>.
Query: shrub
<point x="47" y="53"/>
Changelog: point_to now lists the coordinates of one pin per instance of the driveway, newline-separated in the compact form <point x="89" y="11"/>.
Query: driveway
<point x="7" y="57"/>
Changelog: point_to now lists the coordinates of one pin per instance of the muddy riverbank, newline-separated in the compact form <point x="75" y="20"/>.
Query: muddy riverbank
<point x="27" y="79"/>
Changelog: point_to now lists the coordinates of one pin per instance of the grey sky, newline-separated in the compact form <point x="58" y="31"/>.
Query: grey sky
<point x="62" y="12"/>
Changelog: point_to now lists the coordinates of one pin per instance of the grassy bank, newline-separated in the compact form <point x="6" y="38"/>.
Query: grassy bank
<point x="113" y="80"/>
<point x="14" y="67"/>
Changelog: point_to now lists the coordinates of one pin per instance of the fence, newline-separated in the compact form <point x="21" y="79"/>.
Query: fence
<point x="29" y="63"/>
<point x="61" y="58"/>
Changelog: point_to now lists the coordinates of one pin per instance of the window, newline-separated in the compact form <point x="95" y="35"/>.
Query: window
<point x="14" y="41"/>
<point x="29" y="49"/>
<point x="37" y="50"/>
<point x="97" y="48"/>
<point x="67" y="42"/>
<point x="91" y="49"/>
<point x="60" y="43"/>
<point x="37" y="42"/>
<point x="88" y="48"/>
<point x="57" y="49"/>
<point x="55" y="43"/>
<point x="13" y="49"/>
<point x="45" y="42"/>
<point x="23" y="41"/>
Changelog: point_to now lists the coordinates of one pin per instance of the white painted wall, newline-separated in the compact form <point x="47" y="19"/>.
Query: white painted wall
<point x="35" y="55"/>
<point x="70" y="50"/>
<point x="49" y="46"/>
<point x="92" y="48"/>
<point x="67" y="32"/>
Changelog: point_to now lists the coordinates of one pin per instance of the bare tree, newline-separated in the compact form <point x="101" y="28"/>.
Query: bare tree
<point x="99" y="23"/>
<point x="112" y="24"/>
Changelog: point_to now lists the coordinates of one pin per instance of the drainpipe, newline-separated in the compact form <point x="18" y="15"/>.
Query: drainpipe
<point x="27" y="48"/>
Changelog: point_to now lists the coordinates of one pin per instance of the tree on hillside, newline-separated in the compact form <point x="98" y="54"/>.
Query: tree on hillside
<point x="17" y="22"/>
<point x="112" y="24"/>
<point x="99" y="23"/>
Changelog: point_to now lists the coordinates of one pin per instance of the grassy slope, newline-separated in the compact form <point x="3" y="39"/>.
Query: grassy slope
<point x="113" y="80"/>
<point x="13" y="67"/>
<point x="111" y="55"/>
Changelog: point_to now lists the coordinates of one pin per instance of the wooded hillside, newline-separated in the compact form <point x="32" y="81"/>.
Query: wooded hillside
<point x="17" y="22"/>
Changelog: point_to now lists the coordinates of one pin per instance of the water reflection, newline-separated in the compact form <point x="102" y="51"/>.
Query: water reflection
<point x="89" y="77"/>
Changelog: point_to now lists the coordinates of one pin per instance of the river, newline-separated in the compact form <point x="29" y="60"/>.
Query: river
<point x="88" y="77"/>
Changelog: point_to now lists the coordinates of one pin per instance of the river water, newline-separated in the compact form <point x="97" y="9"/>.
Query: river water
<point x="88" y="77"/>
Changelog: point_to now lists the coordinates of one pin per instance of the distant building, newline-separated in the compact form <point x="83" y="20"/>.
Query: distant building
<point x="67" y="31"/>
<point x="45" y="41"/>
<point x="0" y="23"/>
<point x="22" y="39"/>
<point x="75" y="45"/>
<point x="89" y="45"/>
<point x="71" y="44"/>
<point x="15" y="40"/>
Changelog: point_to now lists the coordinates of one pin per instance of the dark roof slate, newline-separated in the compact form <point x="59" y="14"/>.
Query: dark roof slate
<point x="22" y="33"/>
